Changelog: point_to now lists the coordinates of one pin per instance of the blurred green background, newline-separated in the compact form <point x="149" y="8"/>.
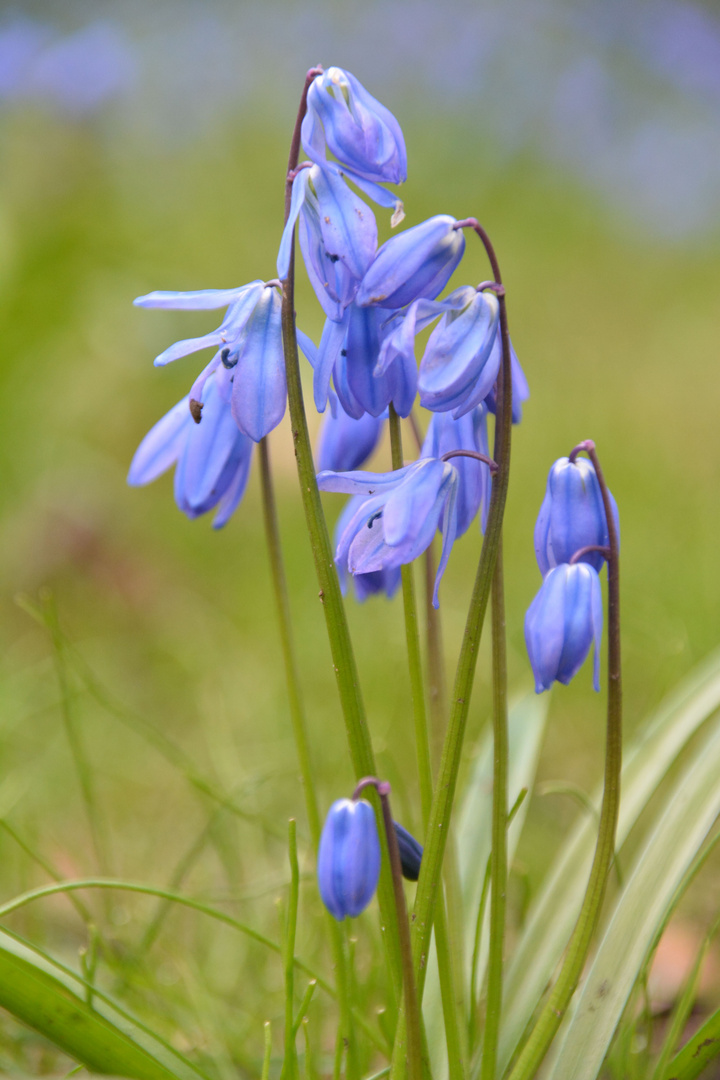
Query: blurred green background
<point x="613" y="280"/>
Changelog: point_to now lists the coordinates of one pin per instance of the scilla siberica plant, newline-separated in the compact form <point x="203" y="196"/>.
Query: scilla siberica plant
<point x="375" y="302"/>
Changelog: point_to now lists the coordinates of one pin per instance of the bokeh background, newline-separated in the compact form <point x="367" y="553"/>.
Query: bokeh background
<point x="144" y="147"/>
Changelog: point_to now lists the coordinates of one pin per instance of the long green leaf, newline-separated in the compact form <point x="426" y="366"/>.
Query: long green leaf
<point x="526" y="724"/>
<point x="51" y="1000"/>
<point x="553" y="914"/>
<point x="690" y="811"/>
<point x="704" y="1046"/>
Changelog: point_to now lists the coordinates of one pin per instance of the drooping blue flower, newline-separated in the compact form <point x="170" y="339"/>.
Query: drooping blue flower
<point x="561" y="624"/>
<point x="474" y="482"/>
<point x="411" y="852"/>
<point x="399" y="516"/>
<point x="572" y="515"/>
<point x="346" y="443"/>
<point x="376" y="581"/>
<point x="520" y="388"/>
<point x="349" y="858"/>
<point x="416" y="263"/>
<point x="460" y="366"/>
<point x="212" y="458"/>
<point x="337" y="232"/>
<point x="350" y="350"/>
<point x="249" y="361"/>
<point x="358" y="130"/>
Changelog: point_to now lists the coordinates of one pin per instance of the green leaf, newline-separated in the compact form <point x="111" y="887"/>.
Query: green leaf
<point x="704" y="1046"/>
<point x="102" y="1037"/>
<point x="552" y="916"/>
<point x="690" y="811"/>
<point x="526" y="725"/>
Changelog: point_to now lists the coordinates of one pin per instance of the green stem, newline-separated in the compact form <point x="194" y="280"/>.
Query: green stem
<point x="498" y="859"/>
<point x="552" y="1013"/>
<point x="422" y="746"/>
<point x="343" y="657"/>
<point x="441" y="810"/>
<point x="289" y="1069"/>
<point x="299" y="725"/>
<point x="277" y="570"/>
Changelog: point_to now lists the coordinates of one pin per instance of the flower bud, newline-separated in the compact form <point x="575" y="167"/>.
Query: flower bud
<point x="416" y="263"/>
<point x="349" y="858"/>
<point x="572" y="515"/>
<point x="411" y="852"/>
<point x="358" y="130"/>
<point x="561" y="624"/>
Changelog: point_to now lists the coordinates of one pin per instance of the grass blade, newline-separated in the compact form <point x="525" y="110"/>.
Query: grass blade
<point x="690" y="811"/>
<point x="552" y="916"/>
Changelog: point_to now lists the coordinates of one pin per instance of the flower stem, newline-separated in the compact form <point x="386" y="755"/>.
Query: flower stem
<point x="422" y="747"/>
<point x="290" y="1069"/>
<point x="299" y="725"/>
<point x="411" y="1005"/>
<point x="549" y="1020"/>
<point x="441" y="810"/>
<point x="498" y="858"/>
<point x="343" y="657"/>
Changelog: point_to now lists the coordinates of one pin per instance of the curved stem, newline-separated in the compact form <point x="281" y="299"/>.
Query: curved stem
<point x="422" y="748"/>
<point x="343" y="657"/>
<point x="441" y="810"/>
<point x="579" y="945"/>
<point x="492" y="465"/>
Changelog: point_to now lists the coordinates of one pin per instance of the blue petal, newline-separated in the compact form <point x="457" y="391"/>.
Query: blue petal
<point x="259" y="387"/>
<point x="362" y="483"/>
<point x="416" y="263"/>
<point x="362" y="347"/>
<point x="202" y="300"/>
<point x="457" y="354"/>
<point x="208" y="448"/>
<point x="347" y="224"/>
<point x="348" y="858"/>
<point x="449" y="532"/>
<point x="299" y="193"/>
<point x="331" y="342"/>
<point x="236" y="489"/>
<point x="345" y="443"/>
<point x="411" y="501"/>
<point x="161" y="446"/>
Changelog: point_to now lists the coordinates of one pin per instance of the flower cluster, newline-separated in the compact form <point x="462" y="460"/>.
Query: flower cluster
<point x="571" y="543"/>
<point x="376" y="301"/>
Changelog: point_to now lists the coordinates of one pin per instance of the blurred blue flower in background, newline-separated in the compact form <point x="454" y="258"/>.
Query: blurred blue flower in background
<point x="346" y="443"/>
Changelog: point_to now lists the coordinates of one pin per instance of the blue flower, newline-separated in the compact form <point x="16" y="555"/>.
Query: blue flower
<point x="346" y="443"/>
<point x="561" y="624"/>
<point x="572" y="515"/>
<point x="212" y="458"/>
<point x="416" y="263"/>
<point x="337" y="233"/>
<point x="411" y="852"/>
<point x="350" y="351"/>
<point x="474" y="481"/>
<point x="249" y="362"/>
<point x="358" y="130"/>
<point x="349" y="858"/>
<point x="399" y="521"/>
<point x="460" y="365"/>
<point x="376" y="581"/>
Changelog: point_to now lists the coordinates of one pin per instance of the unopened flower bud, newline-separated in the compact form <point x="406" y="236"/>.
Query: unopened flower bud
<point x="349" y="858"/>
<point x="561" y="624"/>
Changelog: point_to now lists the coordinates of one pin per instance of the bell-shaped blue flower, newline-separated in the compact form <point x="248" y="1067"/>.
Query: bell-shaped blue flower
<point x="572" y="516"/>
<point x="411" y="852"/>
<point x="212" y="458"/>
<point x="474" y="482"/>
<point x="337" y="233"/>
<point x="385" y="581"/>
<point x="349" y="858"/>
<point x="460" y="365"/>
<point x="249" y="363"/>
<point x="416" y="263"/>
<point x="561" y="624"/>
<point x="356" y="128"/>
<point x="346" y="443"/>
<point x="399" y="516"/>
<point x="350" y="350"/>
